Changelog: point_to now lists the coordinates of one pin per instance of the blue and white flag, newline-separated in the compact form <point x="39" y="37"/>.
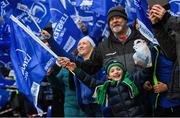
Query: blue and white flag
<point x="66" y="33"/>
<point x="102" y="6"/>
<point x="87" y="16"/>
<point x="7" y="7"/>
<point x="174" y="7"/>
<point x="30" y="61"/>
<point x="33" y="14"/>
<point x="130" y="10"/>
<point x="93" y="13"/>
<point x="99" y="6"/>
<point x="144" y="24"/>
<point x="98" y="29"/>
<point x="69" y="6"/>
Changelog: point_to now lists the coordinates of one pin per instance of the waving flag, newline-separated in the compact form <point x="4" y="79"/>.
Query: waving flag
<point x="30" y="61"/>
<point x="174" y="7"/>
<point x="7" y="7"/>
<point x="98" y="29"/>
<point x="34" y="14"/>
<point x="66" y="33"/>
<point x="130" y="10"/>
<point x="144" y="23"/>
<point x="99" y="6"/>
<point x="70" y="7"/>
<point x="102" y="6"/>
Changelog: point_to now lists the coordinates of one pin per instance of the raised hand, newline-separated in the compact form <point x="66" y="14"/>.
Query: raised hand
<point x="156" y="13"/>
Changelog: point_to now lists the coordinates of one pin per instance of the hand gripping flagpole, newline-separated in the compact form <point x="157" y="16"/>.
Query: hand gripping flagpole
<point x="28" y="31"/>
<point x="35" y="38"/>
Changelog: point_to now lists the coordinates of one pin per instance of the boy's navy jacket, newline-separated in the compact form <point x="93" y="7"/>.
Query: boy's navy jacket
<point x="119" y="100"/>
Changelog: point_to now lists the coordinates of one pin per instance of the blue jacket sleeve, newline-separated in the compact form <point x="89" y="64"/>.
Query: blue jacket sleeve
<point x="88" y="80"/>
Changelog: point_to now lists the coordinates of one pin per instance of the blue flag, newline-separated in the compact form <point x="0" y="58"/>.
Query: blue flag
<point x="99" y="6"/>
<point x="4" y="36"/>
<point x="66" y="33"/>
<point x="30" y="61"/>
<point x="7" y="7"/>
<point x="4" y="97"/>
<point x="98" y="28"/>
<point x="4" y="82"/>
<point x="5" y="60"/>
<point x="87" y="16"/>
<point x="102" y="6"/>
<point x="144" y="24"/>
<point x="130" y="9"/>
<point x="70" y="7"/>
<point x="78" y="2"/>
<point x="34" y="14"/>
<point x="174" y="7"/>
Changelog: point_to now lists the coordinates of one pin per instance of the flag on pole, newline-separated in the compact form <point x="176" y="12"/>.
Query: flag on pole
<point x="30" y="61"/>
<point x="34" y="14"/>
<point x="66" y="33"/>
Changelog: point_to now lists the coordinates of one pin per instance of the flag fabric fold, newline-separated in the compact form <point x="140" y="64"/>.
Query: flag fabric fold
<point x="30" y="61"/>
<point x="66" y="33"/>
<point x="144" y="24"/>
<point x="174" y="7"/>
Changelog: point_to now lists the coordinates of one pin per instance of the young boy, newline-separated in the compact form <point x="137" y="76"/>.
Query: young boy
<point x="119" y="93"/>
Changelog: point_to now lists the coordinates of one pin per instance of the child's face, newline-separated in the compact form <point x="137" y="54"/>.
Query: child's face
<point x="115" y="73"/>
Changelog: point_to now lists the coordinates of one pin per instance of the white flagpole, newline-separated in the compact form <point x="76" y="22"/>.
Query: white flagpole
<point x="25" y="9"/>
<point x="32" y="35"/>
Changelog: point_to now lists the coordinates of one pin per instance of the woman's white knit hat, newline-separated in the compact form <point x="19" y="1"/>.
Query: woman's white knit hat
<point x="88" y="39"/>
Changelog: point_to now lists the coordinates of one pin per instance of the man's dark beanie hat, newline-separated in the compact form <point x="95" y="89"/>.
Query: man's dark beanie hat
<point x="117" y="11"/>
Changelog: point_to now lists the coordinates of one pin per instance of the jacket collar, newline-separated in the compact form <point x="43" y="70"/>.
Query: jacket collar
<point x="113" y="38"/>
<point x="127" y="34"/>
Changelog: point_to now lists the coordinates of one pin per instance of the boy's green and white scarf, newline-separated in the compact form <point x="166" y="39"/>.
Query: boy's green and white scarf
<point x="101" y="91"/>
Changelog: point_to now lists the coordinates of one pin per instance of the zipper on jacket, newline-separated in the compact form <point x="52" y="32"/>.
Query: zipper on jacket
<point x="123" y="101"/>
<point x="124" y="54"/>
